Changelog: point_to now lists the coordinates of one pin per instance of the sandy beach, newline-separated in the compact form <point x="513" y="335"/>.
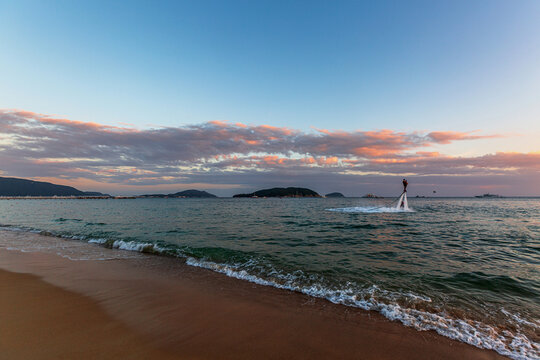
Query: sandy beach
<point x="41" y="321"/>
<point x="149" y="307"/>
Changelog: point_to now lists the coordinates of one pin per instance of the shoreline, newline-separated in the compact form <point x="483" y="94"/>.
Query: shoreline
<point x="189" y="312"/>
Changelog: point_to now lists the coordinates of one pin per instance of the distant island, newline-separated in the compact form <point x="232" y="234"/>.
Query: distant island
<point x="280" y="192"/>
<point x="182" y="194"/>
<point x="335" y="195"/>
<point x="488" y="196"/>
<point x="372" y="196"/>
<point x="15" y="187"/>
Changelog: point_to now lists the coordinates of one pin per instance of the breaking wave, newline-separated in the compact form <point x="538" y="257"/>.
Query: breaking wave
<point x="371" y="209"/>
<point x="406" y="307"/>
<point x="513" y="345"/>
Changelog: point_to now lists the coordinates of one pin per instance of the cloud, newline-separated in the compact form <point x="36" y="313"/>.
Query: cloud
<point x="446" y="137"/>
<point x="37" y="145"/>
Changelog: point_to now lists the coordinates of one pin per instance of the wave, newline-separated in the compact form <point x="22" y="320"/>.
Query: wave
<point x="64" y="220"/>
<point x="515" y="346"/>
<point x="371" y="210"/>
<point x="405" y="307"/>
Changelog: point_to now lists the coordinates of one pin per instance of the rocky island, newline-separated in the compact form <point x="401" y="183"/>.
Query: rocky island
<point x="335" y="195"/>
<point x="295" y="192"/>
<point x="192" y="193"/>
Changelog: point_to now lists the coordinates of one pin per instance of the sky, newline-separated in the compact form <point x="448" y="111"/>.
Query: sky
<point x="233" y="96"/>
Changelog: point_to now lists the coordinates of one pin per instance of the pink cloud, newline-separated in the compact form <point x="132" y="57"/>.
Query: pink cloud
<point x="446" y="137"/>
<point x="52" y="146"/>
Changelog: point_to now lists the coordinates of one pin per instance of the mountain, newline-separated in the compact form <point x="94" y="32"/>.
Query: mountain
<point x="193" y="194"/>
<point x="335" y="195"/>
<point x="183" y="194"/>
<point x="24" y="187"/>
<point x="281" y="192"/>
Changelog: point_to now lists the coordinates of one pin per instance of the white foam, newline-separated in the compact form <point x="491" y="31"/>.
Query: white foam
<point x="370" y="210"/>
<point x="402" y="202"/>
<point x="514" y="345"/>
<point x="13" y="228"/>
<point x="136" y="246"/>
<point x="97" y="241"/>
<point x="35" y="241"/>
<point x="517" y="318"/>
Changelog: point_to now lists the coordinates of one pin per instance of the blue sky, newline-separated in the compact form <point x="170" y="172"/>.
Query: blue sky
<point x="411" y="66"/>
<point x="347" y="65"/>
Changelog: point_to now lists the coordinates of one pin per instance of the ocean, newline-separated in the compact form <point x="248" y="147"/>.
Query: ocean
<point x="468" y="269"/>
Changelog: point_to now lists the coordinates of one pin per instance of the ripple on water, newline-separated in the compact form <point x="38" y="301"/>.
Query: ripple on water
<point x="453" y="252"/>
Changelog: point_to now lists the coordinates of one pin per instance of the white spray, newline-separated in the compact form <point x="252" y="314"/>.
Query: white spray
<point x="402" y="202"/>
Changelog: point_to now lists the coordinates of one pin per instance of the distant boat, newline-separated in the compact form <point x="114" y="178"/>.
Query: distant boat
<point x="372" y="196"/>
<point x="488" y="196"/>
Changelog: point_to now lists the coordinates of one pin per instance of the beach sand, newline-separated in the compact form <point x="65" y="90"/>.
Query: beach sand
<point x="41" y="321"/>
<point x="151" y="307"/>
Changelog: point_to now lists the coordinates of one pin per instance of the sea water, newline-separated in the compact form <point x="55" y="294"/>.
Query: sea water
<point x="468" y="269"/>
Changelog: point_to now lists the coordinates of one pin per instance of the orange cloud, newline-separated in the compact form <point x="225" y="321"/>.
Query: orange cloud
<point x="47" y="146"/>
<point x="446" y="137"/>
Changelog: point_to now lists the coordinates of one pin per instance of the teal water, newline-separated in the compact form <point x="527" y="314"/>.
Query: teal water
<point x="466" y="268"/>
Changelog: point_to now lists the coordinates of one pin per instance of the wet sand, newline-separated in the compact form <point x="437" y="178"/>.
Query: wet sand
<point x="41" y="321"/>
<point x="160" y="308"/>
